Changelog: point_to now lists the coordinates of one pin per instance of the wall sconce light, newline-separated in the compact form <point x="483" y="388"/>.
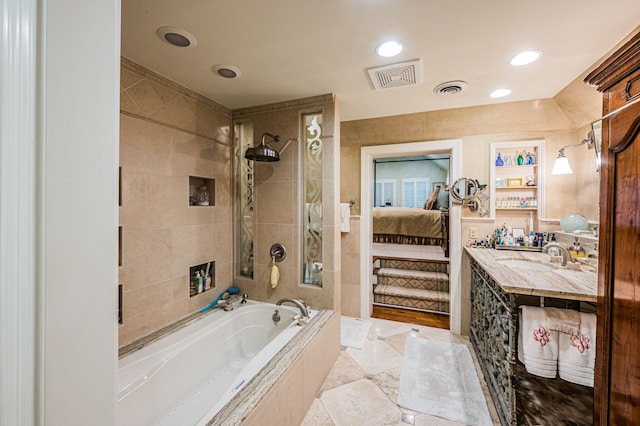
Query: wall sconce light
<point x="561" y="165"/>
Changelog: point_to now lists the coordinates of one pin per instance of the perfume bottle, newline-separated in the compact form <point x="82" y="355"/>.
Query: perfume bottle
<point x="499" y="161"/>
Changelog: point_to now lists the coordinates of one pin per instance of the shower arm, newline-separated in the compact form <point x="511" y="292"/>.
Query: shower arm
<point x="275" y="138"/>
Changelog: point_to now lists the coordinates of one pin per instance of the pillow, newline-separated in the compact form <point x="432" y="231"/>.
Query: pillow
<point x="443" y="200"/>
<point x="432" y="200"/>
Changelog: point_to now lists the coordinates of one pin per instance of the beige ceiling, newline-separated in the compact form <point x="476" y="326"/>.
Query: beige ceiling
<point x="290" y="49"/>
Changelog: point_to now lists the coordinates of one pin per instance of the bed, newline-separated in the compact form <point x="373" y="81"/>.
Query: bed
<point x="400" y="225"/>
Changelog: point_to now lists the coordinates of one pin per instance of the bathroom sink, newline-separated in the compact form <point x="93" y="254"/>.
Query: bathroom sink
<point x="525" y="264"/>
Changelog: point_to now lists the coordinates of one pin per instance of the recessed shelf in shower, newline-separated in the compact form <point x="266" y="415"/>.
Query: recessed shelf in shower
<point x="202" y="191"/>
<point x="202" y="278"/>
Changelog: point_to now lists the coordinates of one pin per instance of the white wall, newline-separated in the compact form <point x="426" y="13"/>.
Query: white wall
<point x="80" y="131"/>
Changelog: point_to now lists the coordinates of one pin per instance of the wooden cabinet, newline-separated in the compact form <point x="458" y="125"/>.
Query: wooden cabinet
<point x="516" y="181"/>
<point x="617" y="380"/>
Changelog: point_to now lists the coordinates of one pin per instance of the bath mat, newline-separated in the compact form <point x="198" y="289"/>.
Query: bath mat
<point x="440" y="379"/>
<point x="353" y="332"/>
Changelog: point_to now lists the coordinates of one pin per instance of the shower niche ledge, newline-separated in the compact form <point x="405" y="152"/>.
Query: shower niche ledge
<point x="202" y="191"/>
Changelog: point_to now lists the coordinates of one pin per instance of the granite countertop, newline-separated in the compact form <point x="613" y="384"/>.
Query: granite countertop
<point x="558" y="282"/>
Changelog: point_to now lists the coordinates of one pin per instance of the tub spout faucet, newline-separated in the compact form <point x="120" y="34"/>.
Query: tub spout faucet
<point x="228" y="306"/>
<point x="303" y="308"/>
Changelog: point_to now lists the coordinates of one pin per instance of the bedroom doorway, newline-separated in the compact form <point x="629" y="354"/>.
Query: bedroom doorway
<point x="410" y="239"/>
<point x="403" y="192"/>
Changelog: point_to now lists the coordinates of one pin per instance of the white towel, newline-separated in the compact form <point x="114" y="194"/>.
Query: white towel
<point x="538" y="345"/>
<point x="563" y="320"/>
<point x="577" y="352"/>
<point x="345" y="217"/>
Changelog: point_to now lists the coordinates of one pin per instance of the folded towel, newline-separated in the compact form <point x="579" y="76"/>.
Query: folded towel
<point x="538" y="344"/>
<point x="563" y="320"/>
<point x="577" y="352"/>
<point x="275" y="276"/>
<point x="345" y="217"/>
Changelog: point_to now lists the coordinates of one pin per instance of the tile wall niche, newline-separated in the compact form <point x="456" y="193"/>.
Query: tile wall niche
<point x="171" y="139"/>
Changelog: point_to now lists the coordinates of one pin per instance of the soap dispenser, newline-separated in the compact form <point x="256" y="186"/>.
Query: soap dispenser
<point x="576" y="250"/>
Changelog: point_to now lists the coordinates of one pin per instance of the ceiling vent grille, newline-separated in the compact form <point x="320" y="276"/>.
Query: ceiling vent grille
<point x="395" y="75"/>
<point x="450" y="87"/>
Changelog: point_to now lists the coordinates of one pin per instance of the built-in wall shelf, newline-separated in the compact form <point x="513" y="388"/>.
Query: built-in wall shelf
<point x="201" y="278"/>
<point x="509" y="180"/>
<point x="202" y="191"/>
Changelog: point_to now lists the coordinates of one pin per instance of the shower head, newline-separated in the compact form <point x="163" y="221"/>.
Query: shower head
<point x="263" y="152"/>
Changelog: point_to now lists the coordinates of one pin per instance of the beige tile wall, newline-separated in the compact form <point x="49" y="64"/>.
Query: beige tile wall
<point x="277" y="203"/>
<point x="168" y="133"/>
<point x="350" y="242"/>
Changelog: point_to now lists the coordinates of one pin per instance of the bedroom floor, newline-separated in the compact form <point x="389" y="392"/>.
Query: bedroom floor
<point x="362" y="388"/>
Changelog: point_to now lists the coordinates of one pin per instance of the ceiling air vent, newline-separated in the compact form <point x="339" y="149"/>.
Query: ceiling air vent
<point x="450" y="87"/>
<point x="395" y="75"/>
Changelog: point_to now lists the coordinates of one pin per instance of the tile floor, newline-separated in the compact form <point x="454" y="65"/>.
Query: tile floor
<point x="362" y="387"/>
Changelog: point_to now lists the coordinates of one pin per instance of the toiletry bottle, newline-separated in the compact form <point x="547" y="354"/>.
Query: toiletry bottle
<point x="199" y="281"/>
<point x="576" y="250"/>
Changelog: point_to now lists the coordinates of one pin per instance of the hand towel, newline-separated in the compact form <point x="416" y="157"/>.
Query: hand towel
<point x="275" y="276"/>
<point x="563" y="320"/>
<point x="345" y="217"/>
<point x="577" y="352"/>
<point x="539" y="345"/>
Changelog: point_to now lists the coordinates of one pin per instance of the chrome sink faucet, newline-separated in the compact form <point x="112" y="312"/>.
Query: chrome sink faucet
<point x="299" y="303"/>
<point x="563" y="251"/>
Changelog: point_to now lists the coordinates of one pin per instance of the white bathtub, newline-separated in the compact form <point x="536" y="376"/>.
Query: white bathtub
<point x="186" y="377"/>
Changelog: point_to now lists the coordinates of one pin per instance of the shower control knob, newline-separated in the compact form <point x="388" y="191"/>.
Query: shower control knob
<point x="275" y="317"/>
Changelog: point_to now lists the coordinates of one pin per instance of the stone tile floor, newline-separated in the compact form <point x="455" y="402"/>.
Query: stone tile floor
<point x="362" y="387"/>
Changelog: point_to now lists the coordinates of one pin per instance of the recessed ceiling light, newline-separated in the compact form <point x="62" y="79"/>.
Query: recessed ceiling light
<point x="226" y="71"/>
<point x="526" y="57"/>
<point x="389" y="49"/>
<point x="500" y="93"/>
<point x="177" y="37"/>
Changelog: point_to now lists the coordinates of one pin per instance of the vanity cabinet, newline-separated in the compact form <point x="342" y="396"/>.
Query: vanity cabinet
<point x="516" y="180"/>
<point x="521" y="398"/>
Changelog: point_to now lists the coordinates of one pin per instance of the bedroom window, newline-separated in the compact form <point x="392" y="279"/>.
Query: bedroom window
<point x="415" y="192"/>
<point x="385" y="193"/>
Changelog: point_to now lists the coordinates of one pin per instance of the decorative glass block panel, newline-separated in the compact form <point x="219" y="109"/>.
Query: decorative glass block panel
<point x="244" y="192"/>
<point x="312" y="154"/>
